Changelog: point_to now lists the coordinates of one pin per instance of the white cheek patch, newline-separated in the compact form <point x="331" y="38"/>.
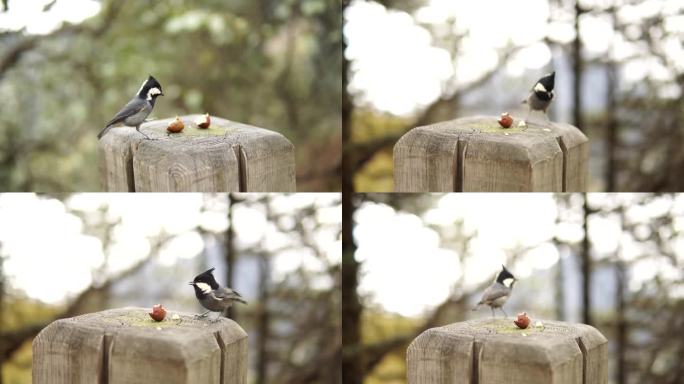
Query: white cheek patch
<point x="204" y="287"/>
<point x="539" y="87"/>
<point x="152" y="92"/>
<point x="507" y="282"/>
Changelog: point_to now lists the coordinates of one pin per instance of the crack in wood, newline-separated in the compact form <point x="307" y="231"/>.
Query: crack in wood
<point x="564" y="150"/>
<point x="583" y="349"/>
<point x="461" y="146"/>
<point x="219" y="340"/>
<point x="475" y="370"/>
<point x="107" y="341"/>
<point x="241" y="158"/>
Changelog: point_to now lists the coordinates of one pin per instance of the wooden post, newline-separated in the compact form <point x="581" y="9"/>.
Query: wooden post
<point x="126" y="346"/>
<point x="496" y="351"/>
<point x="228" y="156"/>
<point x="475" y="154"/>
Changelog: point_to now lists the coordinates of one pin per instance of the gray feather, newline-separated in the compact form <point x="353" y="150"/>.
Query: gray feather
<point x="104" y="131"/>
<point x="132" y="114"/>
<point x="495" y="295"/>
<point x="131" y="108"/>
<point x="228" y="294"/>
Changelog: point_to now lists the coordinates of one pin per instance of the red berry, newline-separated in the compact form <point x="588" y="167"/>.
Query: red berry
<point x="158" y="313"/>
<point x="506" y="120"/>
<point x="523" y="321"/>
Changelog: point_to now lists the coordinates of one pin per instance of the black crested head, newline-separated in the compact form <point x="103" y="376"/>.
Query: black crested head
<point x="150" y="89"/>
<point x="548" y="81"/>
<point x="207" y="277"/>
<point x="503" y="275"/>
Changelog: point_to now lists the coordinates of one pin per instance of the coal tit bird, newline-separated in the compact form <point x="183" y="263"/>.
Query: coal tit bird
<point x="212" y="296"/>
<point x="541" y="94"/>
<point x="497" y="294"/>
<point x="134" y="113"/>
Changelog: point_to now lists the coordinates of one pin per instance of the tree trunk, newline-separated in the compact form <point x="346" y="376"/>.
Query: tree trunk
<point x="612" y="129"/>
<point x="2" y="298"/>
<point x="585" y="264"/>
<point x="230" y="250"/>
<point x="577" y="71"/>
<point x="352" y="362"/>
<point x="611" y="120"/>
<point x="621" y="331"/>
<point x="263" y="316"/>
<point x="2" y="295"/>
<point x="560" y="290"/>
<point x="263" y="320"/>
<point x="352" y="359"/>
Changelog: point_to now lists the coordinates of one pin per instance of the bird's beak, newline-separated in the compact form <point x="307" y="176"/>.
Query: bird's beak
<point x="161" y="94"/>
<point x="191" y="283"/>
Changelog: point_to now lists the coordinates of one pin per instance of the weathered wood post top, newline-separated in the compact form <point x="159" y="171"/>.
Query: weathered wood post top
<point x="126" y="346"/>
<point x="496" y="351"/>
<point x="475" y="154"/>
<point x="226" y="156"/>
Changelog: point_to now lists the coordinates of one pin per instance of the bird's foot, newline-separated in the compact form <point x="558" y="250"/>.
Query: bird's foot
<point x="200" y="315"/>
<point x="142" y="133"/>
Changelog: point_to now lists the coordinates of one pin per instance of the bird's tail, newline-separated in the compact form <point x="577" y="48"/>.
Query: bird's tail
<point x="237" y="297"/>
<point x="103" y="132"/>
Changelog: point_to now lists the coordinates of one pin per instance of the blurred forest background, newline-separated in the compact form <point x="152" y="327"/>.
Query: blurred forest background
<point x="615" y="261"/>
<point x="89" y="252"/>
<point x="620" y="78"/>
<point x="273" y="64"/>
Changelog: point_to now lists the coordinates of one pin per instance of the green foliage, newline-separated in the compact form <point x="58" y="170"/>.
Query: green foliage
<point x="24" y="312"/>
<point x="17" y="370"/>
<point x="380" y="326"/>
<point x="371" y="126"/>
<point x="392" y="370"/>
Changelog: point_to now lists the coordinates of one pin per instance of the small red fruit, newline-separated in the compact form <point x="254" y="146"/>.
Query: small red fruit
<point x="176" y="125"/>
<point x="506" y="120"/>
<point x="523" y="321"/>
<point x="203" y="121"/>
<point x="158" y="313"/>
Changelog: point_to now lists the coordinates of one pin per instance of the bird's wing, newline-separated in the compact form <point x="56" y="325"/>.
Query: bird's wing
<point x="131" y="108"/>
<point x="222" y="294"/>
<point x="492" y="293"/>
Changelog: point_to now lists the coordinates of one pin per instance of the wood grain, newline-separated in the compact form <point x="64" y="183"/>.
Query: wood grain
<point x="228" y="156"/>
<point x="126" y="346"/>
<point x="495" y="351"/>
<point x="475" y="154"/>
